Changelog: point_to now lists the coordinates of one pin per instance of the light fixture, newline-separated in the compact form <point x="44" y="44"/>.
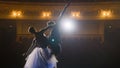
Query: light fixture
<point x="75" y="14"/>
<point x="46" y="14"/>
<point x="16" y="13"/>
<point x="106" y="13"/>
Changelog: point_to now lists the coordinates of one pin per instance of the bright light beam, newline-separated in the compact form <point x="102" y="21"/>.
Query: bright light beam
<point x="67" y="25"/>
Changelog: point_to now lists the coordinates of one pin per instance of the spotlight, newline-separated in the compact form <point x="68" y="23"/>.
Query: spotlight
<point x="67" y="25"/>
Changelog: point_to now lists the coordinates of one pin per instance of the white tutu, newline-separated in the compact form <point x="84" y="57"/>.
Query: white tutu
<point x="40" y="58"/>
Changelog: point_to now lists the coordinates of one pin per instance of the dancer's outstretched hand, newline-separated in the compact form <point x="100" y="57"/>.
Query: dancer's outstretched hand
<point x="51" y="24"/>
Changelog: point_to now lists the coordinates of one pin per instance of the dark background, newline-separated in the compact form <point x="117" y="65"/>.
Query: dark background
<point x="76" y="52"/>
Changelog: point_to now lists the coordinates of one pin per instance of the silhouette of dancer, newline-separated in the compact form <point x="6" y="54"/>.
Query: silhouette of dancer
<point x="40" y="54"/>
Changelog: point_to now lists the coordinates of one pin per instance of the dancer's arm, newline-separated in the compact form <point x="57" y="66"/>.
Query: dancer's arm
<point x="33" y="45"/>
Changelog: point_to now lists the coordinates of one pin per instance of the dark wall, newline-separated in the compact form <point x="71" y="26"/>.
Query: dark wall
<point x="7" y="41"/>
<point x="112" y="41"/>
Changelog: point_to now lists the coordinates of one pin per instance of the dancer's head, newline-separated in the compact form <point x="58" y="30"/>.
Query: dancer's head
<point x="31" y="30"/>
